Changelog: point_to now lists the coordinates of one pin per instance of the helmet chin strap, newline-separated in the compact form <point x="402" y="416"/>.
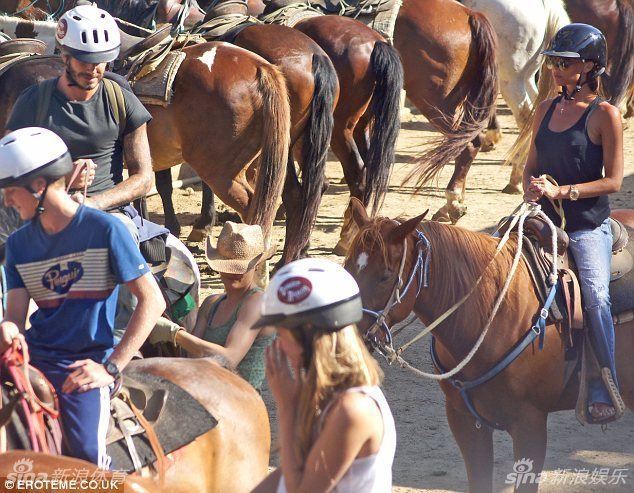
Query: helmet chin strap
<point x="40" y="200"/>
<point x="587" y="78"/>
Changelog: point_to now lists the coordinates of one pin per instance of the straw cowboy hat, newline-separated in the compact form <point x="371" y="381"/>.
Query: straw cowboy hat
<point x="240" y="247"/>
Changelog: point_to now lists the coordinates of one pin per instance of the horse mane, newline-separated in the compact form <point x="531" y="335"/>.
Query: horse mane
<point x="458" y="258"/>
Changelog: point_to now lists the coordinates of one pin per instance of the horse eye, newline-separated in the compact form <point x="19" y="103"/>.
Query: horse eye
<point x="387" y="275"/>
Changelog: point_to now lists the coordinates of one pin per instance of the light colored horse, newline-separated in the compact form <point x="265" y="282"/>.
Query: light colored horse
<point x="524" y="29"/>
<point x="15" y="27"/>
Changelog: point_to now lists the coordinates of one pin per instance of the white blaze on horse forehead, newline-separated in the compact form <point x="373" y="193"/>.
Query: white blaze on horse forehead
<point x="362" y="261"/>
<point x="208" y="57"/>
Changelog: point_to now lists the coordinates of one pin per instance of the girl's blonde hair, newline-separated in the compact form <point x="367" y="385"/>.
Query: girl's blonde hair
<point x="339" y="361"/>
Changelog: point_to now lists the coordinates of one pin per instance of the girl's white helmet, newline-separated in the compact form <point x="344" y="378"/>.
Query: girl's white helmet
<point x="311" y="294"/>
<point x="32" y="152"/>
<point x="89" y="34"/>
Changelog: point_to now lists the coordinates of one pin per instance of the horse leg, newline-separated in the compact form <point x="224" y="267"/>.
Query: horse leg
<point x="476" y="447"/>
<point x="624" y="366"/>
<point x="345" y="147"/>
<point x="205" y="222"/>
<point x="164" y="188"/>
<point x="514" y="185"/>
<point x="455" y="208"/>
<point x="529" y="434"/>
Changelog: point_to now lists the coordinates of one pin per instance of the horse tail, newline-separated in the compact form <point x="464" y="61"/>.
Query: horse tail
<point x="474" y="114"/>
<point x="621" y="74"/>
<point x="276" y="122"/>
<point x="385" y="108"/>
<point x="518" y="153"/>
<point x="316" y="140"/>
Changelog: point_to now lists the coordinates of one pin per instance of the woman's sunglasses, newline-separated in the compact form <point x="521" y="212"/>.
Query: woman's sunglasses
<point x="561" y="63"/>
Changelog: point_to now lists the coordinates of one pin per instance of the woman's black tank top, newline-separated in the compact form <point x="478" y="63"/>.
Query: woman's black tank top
<point x="570" y="157"/>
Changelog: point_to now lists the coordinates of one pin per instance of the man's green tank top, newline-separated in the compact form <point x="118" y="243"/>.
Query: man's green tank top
<point x="251" y="368"/>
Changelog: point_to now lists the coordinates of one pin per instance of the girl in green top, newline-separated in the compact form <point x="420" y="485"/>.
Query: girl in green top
<point x="223" y="326"/>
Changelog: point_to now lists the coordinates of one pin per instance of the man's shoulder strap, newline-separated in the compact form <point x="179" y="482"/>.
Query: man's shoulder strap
<point x="44" y="93"/>
<point x="114" y="94"/>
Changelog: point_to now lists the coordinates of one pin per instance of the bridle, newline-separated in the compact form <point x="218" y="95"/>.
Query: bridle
<point x="51" y="15"/>
<point x="420" y="272"/>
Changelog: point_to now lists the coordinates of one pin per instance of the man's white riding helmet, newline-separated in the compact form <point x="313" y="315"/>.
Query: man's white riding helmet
<point x="89" y="34"/>
<point x="32" y="152"/>
<point x="311" y="294"/>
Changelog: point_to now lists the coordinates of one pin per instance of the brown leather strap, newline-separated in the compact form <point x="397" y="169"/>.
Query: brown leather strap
<point x="73" y="177"/>
<point x="575" y="310"/>
<point x="151" y="435"/>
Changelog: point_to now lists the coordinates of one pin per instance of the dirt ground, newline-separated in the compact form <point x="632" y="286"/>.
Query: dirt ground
<point x="427" y="457"/>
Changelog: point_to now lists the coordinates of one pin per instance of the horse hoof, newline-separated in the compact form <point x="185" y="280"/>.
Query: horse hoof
<point x="197" y="235"/>
<point x="512" y="190"/>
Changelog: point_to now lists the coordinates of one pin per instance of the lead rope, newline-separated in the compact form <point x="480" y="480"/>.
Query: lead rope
<point x="519" y="216"/>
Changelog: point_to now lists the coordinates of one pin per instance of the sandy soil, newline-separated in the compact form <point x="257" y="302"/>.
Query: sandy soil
<point x="427" y="457"/>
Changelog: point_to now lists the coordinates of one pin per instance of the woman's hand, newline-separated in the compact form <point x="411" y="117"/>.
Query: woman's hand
<point x="283" y="383"/>
<point x="542" y="187"/>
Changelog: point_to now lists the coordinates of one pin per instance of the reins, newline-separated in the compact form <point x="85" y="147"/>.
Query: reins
<point x="16" y="362"/>
<point x="392" y="355"/>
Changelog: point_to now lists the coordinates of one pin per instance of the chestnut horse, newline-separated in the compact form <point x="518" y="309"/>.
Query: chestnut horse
<point x="451" y="77"/>
<point x="232" y="456"/>
<point x="229" y="113"/>
<point x="441" y="265"/>
<point x="313" y="90"/>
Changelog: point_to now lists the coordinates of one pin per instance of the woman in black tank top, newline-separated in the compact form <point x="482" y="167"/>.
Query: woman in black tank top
<point x="578" y="142"/>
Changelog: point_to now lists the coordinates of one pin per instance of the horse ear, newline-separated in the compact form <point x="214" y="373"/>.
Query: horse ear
<point x="402" y="230"/>
<point x="359" y="214"/>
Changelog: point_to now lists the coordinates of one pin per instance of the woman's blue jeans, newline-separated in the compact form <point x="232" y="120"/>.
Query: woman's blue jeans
<point x="592" y="251"/>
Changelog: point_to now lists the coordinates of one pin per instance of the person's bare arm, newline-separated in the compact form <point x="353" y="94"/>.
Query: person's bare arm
<point x="530" y="169"/>
<point x="89" y="374"/>
<point x="13" y="324"/>
<point x="149" y="308"/>
<point x="239" y="340"/>
<point x="136" y="152"/>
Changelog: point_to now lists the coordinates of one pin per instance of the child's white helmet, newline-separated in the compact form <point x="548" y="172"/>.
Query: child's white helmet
<point x="311" y="294"/>
<point x="32" y="152"/>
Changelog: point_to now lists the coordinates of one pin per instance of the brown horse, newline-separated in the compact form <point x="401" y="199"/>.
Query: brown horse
<point x="229" y="112"/>
<point x="441" y="264"/>
<point x="313" y="91"/>
<point x="233" y="456"/>
<point x="367" y="116"/>
<point x="451" y="77"/>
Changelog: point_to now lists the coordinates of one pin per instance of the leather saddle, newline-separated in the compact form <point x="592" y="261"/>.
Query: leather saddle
<point x="146" y="420"/>
<point x="169" y="11"/>
<point x="22" y="45"/>
<point x="567" y="305"/>
<point x="227" y="7"/>
<point x="133" y="45"/>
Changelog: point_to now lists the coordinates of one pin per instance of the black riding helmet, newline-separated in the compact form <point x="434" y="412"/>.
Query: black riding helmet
<point x="584" y="42"/>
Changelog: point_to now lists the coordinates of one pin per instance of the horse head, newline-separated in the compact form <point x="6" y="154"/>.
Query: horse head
<point x="387" y="261"/>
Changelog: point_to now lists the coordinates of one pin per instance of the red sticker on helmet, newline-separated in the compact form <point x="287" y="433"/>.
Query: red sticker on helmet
<point x="62" y="29"/>
<point x="294" y="290"/>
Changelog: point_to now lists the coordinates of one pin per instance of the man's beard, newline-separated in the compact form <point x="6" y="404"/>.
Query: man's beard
<point x="76" y="81"/>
